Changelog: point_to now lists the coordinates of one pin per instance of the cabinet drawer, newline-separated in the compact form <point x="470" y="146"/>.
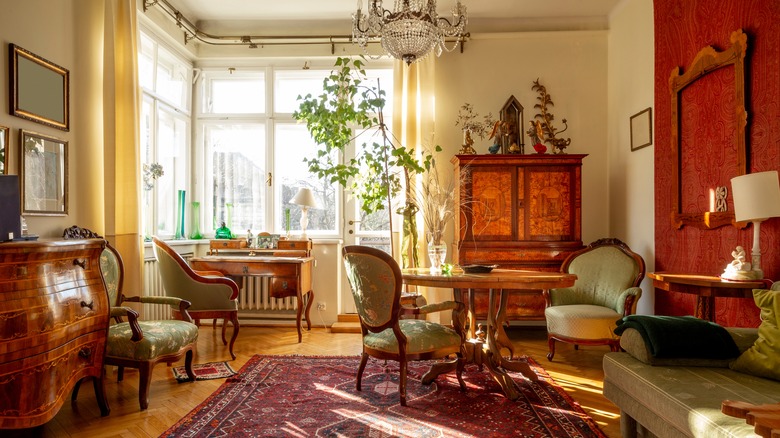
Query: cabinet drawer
<point x="512" y="256"/>
<point x="304" y="245"/>
<point x="282" y="287"/>
<point x="34" y="388"/>
<point x="34" y="325"/>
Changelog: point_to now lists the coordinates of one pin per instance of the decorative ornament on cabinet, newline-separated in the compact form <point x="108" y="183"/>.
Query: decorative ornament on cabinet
<point x="546" y="118"/>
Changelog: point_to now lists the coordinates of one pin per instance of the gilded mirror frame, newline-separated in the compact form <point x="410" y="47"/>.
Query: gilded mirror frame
<point x="39" y="89"/>
<point x="706" y="61"/>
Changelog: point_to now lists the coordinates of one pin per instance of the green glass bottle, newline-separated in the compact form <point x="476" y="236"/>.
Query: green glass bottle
<point x="223" y="232"/>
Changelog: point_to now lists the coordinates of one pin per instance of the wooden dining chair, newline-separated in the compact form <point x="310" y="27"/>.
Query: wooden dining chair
<point x="376" y="283"/>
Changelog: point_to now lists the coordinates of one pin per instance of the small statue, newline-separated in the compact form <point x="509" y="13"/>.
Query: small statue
<point x="249" y="238"/>
<point x="223" y="232"/>
<point x="739" y="262"/>
<point x="720" y="198"/>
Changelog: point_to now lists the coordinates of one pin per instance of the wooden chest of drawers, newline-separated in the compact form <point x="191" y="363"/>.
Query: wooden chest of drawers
<point x="54" y="317"/>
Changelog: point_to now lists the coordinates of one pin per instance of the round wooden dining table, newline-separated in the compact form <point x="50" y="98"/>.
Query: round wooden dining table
<point x="485" y="348"/>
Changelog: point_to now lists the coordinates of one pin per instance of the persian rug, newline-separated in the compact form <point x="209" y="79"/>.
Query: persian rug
<point x="205" y="371"/>
<point x="302" y="396"/>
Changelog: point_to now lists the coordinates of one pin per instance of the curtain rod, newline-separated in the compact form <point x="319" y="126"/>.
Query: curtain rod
<point x="253" y="41"/>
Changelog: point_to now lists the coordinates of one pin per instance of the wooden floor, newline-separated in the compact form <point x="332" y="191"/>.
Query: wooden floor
<point x="578" y="371"/>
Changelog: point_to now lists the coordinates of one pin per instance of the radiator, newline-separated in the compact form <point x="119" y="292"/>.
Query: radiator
<point x="254" y="301"/>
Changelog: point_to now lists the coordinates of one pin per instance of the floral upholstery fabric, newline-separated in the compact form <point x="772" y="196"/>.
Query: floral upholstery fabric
<point x="160" y="338"/>
<point x="373" y="288"/>
<point x="109" y="266"/>
<point x="421" y="337"/>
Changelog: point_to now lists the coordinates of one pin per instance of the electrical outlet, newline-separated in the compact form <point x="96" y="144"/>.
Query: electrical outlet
<point x="320" y="306"/>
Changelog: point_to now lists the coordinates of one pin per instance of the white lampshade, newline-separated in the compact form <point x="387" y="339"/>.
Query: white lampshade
<point x="756" y="196"/>
<point x="304" y="198"/>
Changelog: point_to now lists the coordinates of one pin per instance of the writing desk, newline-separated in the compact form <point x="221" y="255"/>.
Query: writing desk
<point x="487" y="351"/>
<point x="706" y="288"/>
<point x="290" y="276"/>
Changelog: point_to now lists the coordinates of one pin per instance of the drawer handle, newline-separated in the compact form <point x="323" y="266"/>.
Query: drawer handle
<point x="284" y="285"/>
<point x="90" y="304"/>
<point x="80" y="262"/>
<point x="85" y="353"/>
<point x="245" y="269"/>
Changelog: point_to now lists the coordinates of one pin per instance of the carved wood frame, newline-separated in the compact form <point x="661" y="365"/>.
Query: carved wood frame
<point x="706" y="61"/>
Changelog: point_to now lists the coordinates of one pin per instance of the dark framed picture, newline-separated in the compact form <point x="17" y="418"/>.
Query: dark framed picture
<point x="39" y="89"/>
<point x="642" y="129"/>
<point x="44" y="174"/>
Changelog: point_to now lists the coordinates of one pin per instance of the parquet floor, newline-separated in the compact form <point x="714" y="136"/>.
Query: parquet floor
<point x="578" y="371"/>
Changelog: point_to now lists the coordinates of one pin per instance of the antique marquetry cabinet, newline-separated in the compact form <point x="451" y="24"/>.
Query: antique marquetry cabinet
<point x="518" y="212"/>
<point x="54" y="317"/>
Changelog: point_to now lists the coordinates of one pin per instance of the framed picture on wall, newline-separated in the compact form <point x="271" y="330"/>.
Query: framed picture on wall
<point x="39" y="89"/>
<point x="44" y="174"/>
<point x="642" y="129"/>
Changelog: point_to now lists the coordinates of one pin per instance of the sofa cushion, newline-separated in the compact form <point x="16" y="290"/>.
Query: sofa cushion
<point x="683" y="401"/>
<point x="633" y="343"/>
<point x="763" y="358"/>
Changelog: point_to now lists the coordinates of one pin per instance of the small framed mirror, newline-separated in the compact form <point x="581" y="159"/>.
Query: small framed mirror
<point x="44" y="174"/>
<point x="39" y="89"/>
<point x="4" y="148"/>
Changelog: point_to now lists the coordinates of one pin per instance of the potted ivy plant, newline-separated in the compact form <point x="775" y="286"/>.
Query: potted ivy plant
<point x="349" y="107"/>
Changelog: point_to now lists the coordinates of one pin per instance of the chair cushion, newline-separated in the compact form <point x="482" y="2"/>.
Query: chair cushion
<point x="421" y="337"/>
<point x="160" y="338"/>
<point x="582" y="321"/>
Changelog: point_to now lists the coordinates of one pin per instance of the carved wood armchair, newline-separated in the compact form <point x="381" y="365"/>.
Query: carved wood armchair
<point x="607" y="288"/>
<point x="376" y="282"/>
<point x="137" y="343"/>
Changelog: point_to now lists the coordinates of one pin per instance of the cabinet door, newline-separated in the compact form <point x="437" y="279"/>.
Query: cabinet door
<point x="487" y="207"/>
<point x="550" y="193"/>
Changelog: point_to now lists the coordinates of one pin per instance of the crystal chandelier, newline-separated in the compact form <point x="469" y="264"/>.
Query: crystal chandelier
<point x="411" y="30"/>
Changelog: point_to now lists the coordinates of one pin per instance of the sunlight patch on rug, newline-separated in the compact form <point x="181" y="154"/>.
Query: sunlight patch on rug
<point x="316" y="396"/>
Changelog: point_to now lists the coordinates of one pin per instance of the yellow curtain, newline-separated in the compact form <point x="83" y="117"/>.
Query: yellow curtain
<point x="121" y="125"/>
<point x="413" y="118"/>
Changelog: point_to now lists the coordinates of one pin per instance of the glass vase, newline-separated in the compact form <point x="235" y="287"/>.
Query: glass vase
<point x="195" y="233"/>
<point x="437" y="252"/>
<point x="180" y="216"/>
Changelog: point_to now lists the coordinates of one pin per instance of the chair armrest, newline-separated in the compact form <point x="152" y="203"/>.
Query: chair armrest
<point x="181" y="304"/>
<point x="626" y="302"/>
<point x="209" y="273"/>
<point x="431" y="308"/>
<point x="132" y="320"/>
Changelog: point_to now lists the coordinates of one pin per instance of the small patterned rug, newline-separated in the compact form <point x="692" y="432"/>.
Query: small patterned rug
<point x="205" y="371"/>
<point x="316" y="396"/>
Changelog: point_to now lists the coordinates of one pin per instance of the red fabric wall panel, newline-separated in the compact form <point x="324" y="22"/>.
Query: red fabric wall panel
<point x="707" y="152"/>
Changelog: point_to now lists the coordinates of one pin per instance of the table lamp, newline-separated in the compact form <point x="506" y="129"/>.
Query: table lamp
<point x="305" y="199"/>
<point x="756" y="199"/>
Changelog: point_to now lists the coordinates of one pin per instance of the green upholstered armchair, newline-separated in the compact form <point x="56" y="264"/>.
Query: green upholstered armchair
<point x="607" y="288"/>
<point x="135" y="343"/>
<point x="376" y="283"/>
<point x="213" y="296"/>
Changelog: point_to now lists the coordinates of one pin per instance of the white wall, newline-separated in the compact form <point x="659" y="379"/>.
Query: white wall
<point x="573" y="68"/>
<point x="630" y="90"/>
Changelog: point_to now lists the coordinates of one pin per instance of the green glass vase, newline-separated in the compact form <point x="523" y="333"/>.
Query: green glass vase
<point x="180" y="216"/>
<point x="195" y="233"/>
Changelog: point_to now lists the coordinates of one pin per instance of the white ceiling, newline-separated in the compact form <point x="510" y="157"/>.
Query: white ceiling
<point x="311" y="16"/>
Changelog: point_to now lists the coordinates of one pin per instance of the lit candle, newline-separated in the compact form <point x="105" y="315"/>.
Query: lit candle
<point x="712" y="200"/>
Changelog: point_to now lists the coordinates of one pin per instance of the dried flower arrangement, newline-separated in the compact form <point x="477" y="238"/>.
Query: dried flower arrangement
<point x="550" y="132"/>
<point x="468" y="119"/>
<point x="151" y="173"/>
